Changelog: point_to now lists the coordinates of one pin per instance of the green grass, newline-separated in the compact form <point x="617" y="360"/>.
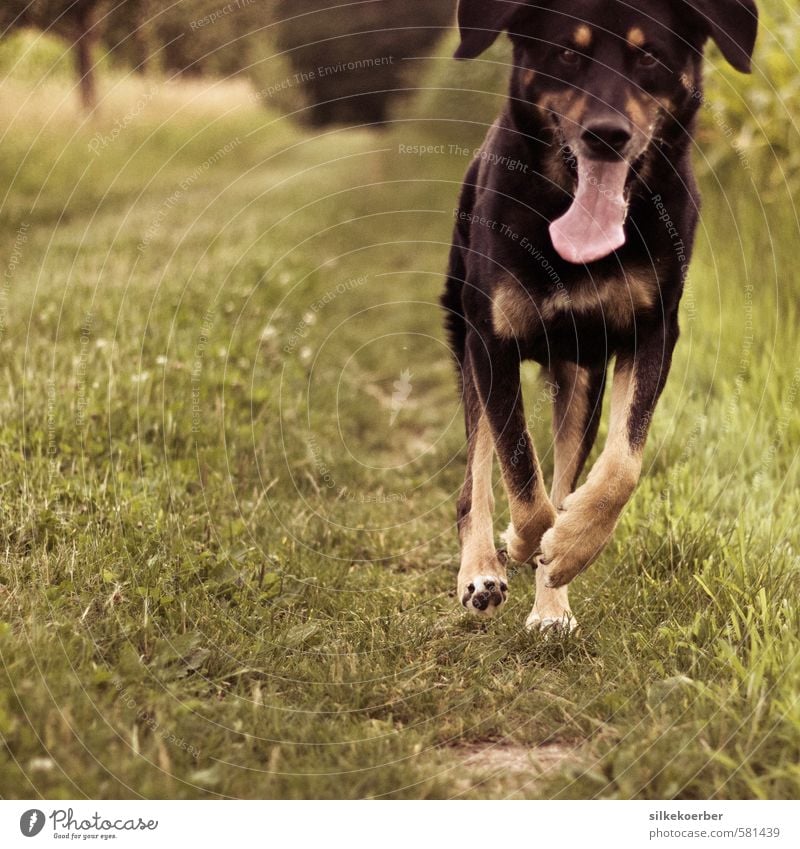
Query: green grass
<point x="226" y="571"/>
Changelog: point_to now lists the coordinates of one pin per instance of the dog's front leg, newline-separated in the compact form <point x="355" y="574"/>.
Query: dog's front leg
<point x="590" y="514"/>
<point x="482" y="578"/>
<point x="576" y="415"/>
<point x="496" y="368"/>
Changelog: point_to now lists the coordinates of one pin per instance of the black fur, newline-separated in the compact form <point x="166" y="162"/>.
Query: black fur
<point x="643" y="63"/>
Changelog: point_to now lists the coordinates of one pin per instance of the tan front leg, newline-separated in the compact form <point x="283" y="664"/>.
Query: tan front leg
<point x="551" y="607"/>
<point x="590" y="514"/>
<point x="576" y="413"/>
<point x="482" y="577"/>
<point x="496" y="367"/>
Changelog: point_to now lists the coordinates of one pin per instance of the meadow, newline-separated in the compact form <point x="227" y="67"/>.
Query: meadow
<point x="231" y="448"/>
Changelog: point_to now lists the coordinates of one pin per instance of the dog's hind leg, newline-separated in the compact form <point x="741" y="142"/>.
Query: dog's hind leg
<point x="577" y="406"/>
<point x="482" y="578"/>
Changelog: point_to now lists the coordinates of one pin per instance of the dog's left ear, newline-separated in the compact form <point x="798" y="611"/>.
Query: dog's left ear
<point x="733" y="25"/>
<point x="481" y="21"/>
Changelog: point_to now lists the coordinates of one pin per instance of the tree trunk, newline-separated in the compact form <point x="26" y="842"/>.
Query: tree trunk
<point x="84" y="50"/>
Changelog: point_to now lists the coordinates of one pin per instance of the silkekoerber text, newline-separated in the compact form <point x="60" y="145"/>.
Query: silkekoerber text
<point x="678" y="815"/>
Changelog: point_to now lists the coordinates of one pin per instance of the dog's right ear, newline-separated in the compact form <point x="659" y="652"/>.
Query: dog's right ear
<point x="480" y="22"/>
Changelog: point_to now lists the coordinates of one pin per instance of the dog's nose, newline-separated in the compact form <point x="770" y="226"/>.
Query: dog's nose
<point x="606" y="137"/>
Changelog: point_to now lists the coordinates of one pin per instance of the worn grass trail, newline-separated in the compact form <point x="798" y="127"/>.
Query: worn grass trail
<point x="231" y="446"/>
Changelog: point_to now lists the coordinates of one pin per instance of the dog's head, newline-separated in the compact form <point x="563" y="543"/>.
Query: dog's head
<point x="603" y="74"/>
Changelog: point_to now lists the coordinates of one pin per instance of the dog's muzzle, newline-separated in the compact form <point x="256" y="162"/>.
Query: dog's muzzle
<point x="594" y="225"/>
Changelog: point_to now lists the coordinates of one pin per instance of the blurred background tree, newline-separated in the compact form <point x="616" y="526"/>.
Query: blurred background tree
<point x="350" y="63"/>
<point x="339" y="62"/>
<point x="194" y="37"/>
<point x="79" y="22"/>
<point x="130" y="35"/>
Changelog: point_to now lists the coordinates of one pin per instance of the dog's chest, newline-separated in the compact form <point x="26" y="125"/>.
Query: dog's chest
<point x="613" y="301"/>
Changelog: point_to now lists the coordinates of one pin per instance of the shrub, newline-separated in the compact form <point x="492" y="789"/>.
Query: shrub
<point x="350" y="63"/>
<point x="753" y="119"/>
<point x="30" y="56"/>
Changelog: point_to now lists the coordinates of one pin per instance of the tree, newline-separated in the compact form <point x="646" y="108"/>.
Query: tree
<point x="351" y="60"/>
<point x="129" y="34"/>
<point x="193" y="37"/>
<point x="77" y="21"/>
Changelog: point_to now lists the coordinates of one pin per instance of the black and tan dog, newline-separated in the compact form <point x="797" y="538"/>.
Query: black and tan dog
<point x="572" y="241"/>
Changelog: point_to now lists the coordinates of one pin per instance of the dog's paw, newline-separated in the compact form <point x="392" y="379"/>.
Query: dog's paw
<point x="565" y="554"/>
<point x="556" y="562"/>
<point x="519" y="548"/>
<point x="560" y="573"/>
<point x="568" y="549"/>
<point x="484" y="595"/>
<point x="483" y="584"/>
<point x="551" y="623"/>
<point x="524" y="546"/>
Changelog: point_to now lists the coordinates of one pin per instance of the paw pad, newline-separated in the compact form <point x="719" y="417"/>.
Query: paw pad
<point x="485" y="594"/>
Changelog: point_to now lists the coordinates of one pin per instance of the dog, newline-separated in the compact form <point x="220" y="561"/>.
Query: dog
<point x="572" y="239"/>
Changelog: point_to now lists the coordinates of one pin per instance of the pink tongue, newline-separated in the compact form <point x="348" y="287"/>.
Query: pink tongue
<point x="593" y="226"/>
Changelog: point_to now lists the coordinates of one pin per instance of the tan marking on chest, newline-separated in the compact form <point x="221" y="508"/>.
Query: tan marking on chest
<point x="615" y="300"/>
<point x="514" y="312"/>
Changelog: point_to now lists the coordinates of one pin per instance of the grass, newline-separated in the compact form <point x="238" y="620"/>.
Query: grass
<point x="227" y="528"/>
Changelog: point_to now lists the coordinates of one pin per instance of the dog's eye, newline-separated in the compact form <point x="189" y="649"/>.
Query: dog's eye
<point x="647" y="59"/>
<point x="568" y="57"/>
